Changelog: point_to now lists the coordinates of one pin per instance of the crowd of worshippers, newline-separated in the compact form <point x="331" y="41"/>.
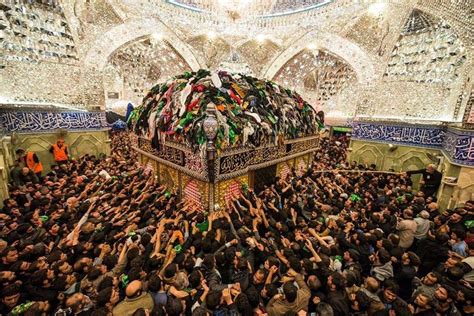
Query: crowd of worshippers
<point x="99" y="236"/>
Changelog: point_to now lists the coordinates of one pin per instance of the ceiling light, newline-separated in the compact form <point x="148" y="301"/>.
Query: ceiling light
<point x="211" y="35"/>
<point x="157" y="36"/>
<point x="261" y="38"/>
<point x="376" y="9"/>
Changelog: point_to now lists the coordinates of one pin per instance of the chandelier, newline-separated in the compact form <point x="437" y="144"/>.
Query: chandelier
<point x="231" y="17"/>
<point x="236" y="9"/>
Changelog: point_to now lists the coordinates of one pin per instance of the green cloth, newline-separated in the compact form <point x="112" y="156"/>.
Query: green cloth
<point x="155" y="89"/>
<point x="201" y="139"/>
<point x="181" y="86"/>
<point x="469" y="224"/>
<point x="178" y="249"/>
<point x="22" y="308"/>
<point x="272" y="118"/>
<point x="185" y="120"/>
<point x="203" y="226"/>
<point x="232" y="136"/>
<point x="355" y="198"/>
<point x="124" y="280"/>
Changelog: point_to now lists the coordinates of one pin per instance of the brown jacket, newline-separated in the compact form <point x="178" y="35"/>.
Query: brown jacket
<point x="129" y="305"/>
<point x="406" y="230"/>
<point x="278" y="307"/>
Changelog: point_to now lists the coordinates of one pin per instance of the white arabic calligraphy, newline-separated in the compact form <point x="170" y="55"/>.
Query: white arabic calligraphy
<point x="44" y="121"/>
<point x="459" y="147"/>
<point x="401" y="134"/>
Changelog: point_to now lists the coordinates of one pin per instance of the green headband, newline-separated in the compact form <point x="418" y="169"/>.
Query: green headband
<point x="20" y="309"/>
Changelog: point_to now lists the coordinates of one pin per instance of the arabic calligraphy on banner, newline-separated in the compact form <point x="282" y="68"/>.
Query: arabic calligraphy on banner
<point x="456" y="143"/>
<point x="459" y="147"/>
<point x="408" y="135"/>
<point x="167" y="153"/>
<point x="236" y="162"/>
<point x="25" y="122"/>
<point x="240" y="161"/>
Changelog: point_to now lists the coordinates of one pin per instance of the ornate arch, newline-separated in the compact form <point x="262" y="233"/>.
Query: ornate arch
<point x="97" y="56"/>
<point x="347" y="50"/>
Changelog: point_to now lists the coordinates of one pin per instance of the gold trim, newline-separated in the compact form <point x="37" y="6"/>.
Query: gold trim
<point x="234" y="174"/>
<point x="172" y="165"/>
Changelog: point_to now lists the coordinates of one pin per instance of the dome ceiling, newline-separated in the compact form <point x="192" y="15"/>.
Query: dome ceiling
<point x="258" y="52"/>
<point x="361" y="45"/>
<point x="316" y="73"/>
<point x="144" y="62"/>
<point x="261" y="8"/>
<point x="210" y="49"/>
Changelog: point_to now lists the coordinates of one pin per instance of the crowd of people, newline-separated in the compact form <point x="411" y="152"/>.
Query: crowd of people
<point x="99" y="236"/>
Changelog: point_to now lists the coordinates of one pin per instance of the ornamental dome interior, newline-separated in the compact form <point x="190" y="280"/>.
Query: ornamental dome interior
<point x="408" y="60"/>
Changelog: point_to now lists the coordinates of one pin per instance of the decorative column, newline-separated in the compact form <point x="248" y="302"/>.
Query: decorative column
<point x="210" y="126"/>
<point x="6" y="162"/>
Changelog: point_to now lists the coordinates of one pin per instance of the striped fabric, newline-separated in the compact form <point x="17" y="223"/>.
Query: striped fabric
<point x="233" y="189"/>
<point x="285" y="170"/>
<point x="148" y="168"/>
<point x="192" y="193"/>
<point x="301" y="168"/>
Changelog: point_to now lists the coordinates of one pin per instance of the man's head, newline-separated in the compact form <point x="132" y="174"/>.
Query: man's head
<point x="455" y="217"/>
<point x="351" y="255"/>
<point x="458" y="235"/>
<point x="451" y="262"/>
<point x="76" y="302"/>
<point x="423" y="301"/>
<point x="109" y="295"/>
<point x="431" y="278"/>
<point x="407" y="213"/>
<point x="133" y="289"/>
<point x="9" y="255"/>
<point x="291" y="292"/>
<point x="424" y="215"/>
<point x="441" y="294"/>
<point x="432" y="207"/>
<point x="25" y="171"/>
<point x="390" y="291"/>
<point x="7" y="276"/>
<point x="313" y="282"/>
<point x="372" y="285"/>
<point x="72" y="202"/>
<point x="20" y="152"/>
<point x="63" y="267"/>
<point x="335" y="282"/>
<point x="259" y="276"/>
<point x="430" y="168"/>
<point x="11" y="295"/>
<point x="173" y="307"/>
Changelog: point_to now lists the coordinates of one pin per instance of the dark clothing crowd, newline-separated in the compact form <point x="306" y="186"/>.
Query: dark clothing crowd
<point x="99" y="236"/>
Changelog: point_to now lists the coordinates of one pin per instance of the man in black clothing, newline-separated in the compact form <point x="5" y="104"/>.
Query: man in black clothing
<point x="22" y="176"/>
<point x="10" y="296"/>
<point x="431" y="179"/>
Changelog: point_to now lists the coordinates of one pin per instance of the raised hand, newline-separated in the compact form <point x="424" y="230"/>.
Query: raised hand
<point x="309" y="245"/>
<point x="274" y="270"/>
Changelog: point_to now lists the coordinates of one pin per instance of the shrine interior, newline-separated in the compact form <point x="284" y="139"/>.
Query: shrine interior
<point x="236" y="157"/>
